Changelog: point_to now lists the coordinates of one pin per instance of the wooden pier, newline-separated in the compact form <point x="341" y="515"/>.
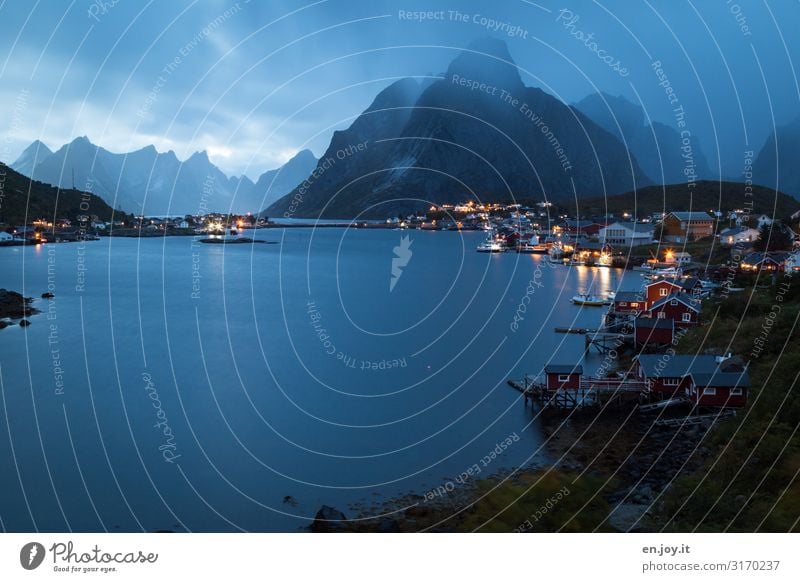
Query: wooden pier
<point x="605" y="342"/>
<point x="589" y="392"/>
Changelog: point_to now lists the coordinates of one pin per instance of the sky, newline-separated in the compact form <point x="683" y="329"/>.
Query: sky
<point x="254" y="82"/>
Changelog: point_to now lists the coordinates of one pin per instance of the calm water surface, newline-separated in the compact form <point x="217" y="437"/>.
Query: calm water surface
<point x="173" y="385"/>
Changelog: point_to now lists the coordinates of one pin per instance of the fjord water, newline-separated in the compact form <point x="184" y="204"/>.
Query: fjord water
<point x="172" y="385"/>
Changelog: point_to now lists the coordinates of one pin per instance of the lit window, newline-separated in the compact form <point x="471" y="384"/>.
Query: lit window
<point x="662" y="292"/>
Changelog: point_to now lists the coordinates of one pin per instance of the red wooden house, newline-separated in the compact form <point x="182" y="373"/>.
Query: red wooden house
<point x="668" y="375"/>
<point x="703" y="379"/>
<point x="561" y="376"/>
<point x="657" y="290"/>
<point x="679" y="307"/>
<point x="653" y="332"/>
<point x="719" y="389"/>
<point x="629" y="302"/>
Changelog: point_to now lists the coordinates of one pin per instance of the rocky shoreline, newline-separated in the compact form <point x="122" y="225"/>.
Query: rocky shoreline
<point x="13" y="306"/>
<point x="623" y="459"/>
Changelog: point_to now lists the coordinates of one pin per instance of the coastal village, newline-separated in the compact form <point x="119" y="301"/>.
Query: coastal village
<point x="682" y="257"/>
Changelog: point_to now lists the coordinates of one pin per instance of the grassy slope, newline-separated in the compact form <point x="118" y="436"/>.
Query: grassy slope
<point x="750" y="483"/>
<point x="705" y="196"/>
<point x="19" y="192"/>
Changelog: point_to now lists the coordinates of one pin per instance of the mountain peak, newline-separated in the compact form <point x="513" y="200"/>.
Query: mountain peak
<point x="201" y="156"/>
<point x="31" y="157"/>
<point x="486" y="60"/>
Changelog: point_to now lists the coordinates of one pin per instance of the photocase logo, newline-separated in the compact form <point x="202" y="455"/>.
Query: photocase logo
<point x="31" y="555"/>
<point x="402" y="255"/>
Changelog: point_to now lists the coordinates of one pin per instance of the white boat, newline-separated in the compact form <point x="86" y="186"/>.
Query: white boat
<point x="590" y="300"/>
<point x="490" y="245"/>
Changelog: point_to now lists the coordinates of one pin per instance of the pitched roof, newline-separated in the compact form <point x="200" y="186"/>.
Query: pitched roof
<point x="689" y="302"/>
<point x="628" y="296"/>
<point x="563" y="369"/>
<point x="653" y="323"/>
<point x="722" y="379"/>
<point x="640" y="227"/>
<point x="757" y="258"/>
<point x="691" y="215"/>
<point x="676" y="365"/>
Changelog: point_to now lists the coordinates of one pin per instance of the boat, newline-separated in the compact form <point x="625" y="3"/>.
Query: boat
<point x="490" y="245"/>
<point x="644" y="267"/>
<point x="538" y="249"/>
<point x="590" y="300"/>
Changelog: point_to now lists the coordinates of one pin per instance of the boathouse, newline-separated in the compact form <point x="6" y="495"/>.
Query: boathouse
<point x="679" y="307"/>
<point x="704" y="379"/>
<point x="628" y="302"/>
<point x="719" y="389"/>
<point x="563" y="376"/>
<point x="653" y="333"/>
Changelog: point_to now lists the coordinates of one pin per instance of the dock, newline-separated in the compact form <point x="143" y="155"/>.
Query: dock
<point x="578" y="330"/>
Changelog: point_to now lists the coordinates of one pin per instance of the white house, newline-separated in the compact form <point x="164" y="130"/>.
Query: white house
<point x="764" y="220"/>
<point x="737" y="235"/>
<point x="627" y="234"/>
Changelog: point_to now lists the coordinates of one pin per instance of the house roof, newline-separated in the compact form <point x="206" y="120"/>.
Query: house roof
<point x="628" y="296"/>
<point x="677" y="365"/>
<point x="722" y="379"/>
<point x="691" y="215"/>
<point x="672" y="281"/>
<point x="685" y="283"/>
<point x="757" y="258"/>
<point x="733" y="231"/>
<point x="653" y="323"/>
<point x="639" y="227"/>
<point x="682" y="297"/>
<point x="563" y="369"/>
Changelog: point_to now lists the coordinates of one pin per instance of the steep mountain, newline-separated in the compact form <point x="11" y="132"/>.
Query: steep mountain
<point x="30" y="158"/>
<point x="25" y="199"/>
<point x="775" y="165"/>
<point x="274" y="184"/>
<point x="478" y="132"/>
<point x="656" y="146"/>
<point x="148" y="182"/>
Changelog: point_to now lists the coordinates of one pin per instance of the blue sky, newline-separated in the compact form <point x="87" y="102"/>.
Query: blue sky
<point x="254" y="82"/>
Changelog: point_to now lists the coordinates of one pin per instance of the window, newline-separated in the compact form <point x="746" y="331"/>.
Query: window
<point x="662" y="292"/>
<point x="671" y="381"/>
<point x="634" y="305"/>
<point x="563" y="377"/>
<point x="687" y="317"/>
<point x="736" y="391"/>
<point x="662" y="315"/>
<point x="673" y="302"/>
<point x="623" y="304"/>
<point x="710" y="391"/>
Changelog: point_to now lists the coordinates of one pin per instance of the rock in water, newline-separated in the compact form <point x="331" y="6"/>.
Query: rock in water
<point x="328" y="519"/>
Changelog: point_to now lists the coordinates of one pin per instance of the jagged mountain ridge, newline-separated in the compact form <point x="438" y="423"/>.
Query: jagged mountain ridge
<point x="656" y="146"/>
<point x="148" y="182"/>
<point x="477" y="132"/>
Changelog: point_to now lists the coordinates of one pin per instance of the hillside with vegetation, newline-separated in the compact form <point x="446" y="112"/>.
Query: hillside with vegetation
<point x="706" y="195"/>
<point x="22" y="200"/>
